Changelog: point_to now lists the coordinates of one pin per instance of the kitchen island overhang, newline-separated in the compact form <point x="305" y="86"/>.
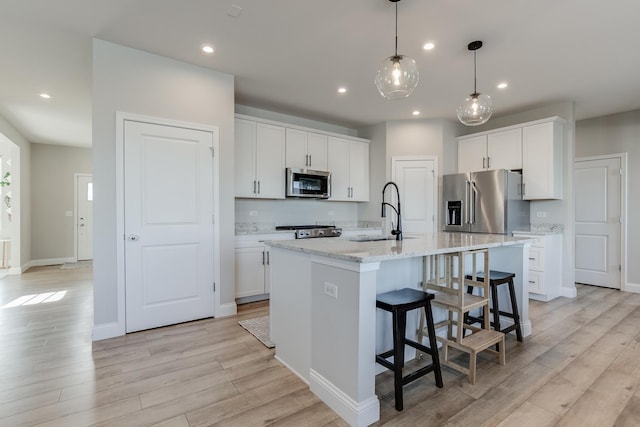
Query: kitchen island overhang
<point x="323" y="313"/>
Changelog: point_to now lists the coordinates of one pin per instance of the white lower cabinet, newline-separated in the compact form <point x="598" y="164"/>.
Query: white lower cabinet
<point x="545" y="266"/>
<point x="252" y="265"/>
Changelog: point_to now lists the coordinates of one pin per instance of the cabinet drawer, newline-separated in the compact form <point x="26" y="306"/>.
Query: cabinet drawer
<point x="536" y="259"/>
<point x="536" y="282"/>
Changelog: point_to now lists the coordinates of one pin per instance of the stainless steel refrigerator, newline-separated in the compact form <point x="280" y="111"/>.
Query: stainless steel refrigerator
<point x="484" y="202"/>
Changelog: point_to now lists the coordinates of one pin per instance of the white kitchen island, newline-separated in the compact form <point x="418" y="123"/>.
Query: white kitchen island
<point x="324" y="321"/>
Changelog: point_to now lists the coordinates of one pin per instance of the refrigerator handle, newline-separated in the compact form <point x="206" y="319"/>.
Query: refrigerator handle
<point x="467" y="213"/>
<point x="472" y="206"/>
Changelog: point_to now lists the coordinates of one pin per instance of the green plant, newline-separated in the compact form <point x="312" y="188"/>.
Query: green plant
<point x="6" y="180"/>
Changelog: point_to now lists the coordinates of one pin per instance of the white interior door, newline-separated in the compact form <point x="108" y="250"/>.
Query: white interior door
<point x="416" y="180"/>
<point x="84" y="216"/>
<point x="598" y="221"/>
<point x="168" y="199"/>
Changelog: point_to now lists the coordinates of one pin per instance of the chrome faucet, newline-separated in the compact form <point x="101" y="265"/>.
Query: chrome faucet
<point x="398" y="230"/>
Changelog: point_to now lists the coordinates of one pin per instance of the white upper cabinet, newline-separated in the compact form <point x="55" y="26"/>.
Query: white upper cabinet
<point x="499" y="150"/>
<point x="472" y="153"/>
<point x="306" y="150"/>
<point x="260" y="160"/>
<point x="504" y="149"/>
<point x="264" y="149"/>
<point x="542" y="160"/>
<point x="348" y="162"/>
<point x="317" y="146"/>
<point x="534" y="147"/>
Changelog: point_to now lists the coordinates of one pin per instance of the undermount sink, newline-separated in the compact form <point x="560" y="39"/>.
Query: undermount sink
<point x="373" y="238"/>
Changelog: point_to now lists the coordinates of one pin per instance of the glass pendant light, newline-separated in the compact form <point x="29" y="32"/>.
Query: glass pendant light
<point x="397" y="75"/>
<point x="476" y="108"/>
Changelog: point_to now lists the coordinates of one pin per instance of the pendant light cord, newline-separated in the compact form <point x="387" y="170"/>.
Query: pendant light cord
<point x="396" y="28"/>
<point x="475" y="78"/>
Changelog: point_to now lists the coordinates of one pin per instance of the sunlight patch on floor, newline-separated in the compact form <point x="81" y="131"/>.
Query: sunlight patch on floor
<point x="34" y="299"/>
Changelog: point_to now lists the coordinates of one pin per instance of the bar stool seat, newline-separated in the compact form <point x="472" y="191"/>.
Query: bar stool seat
<point x="398" y="303"/>
<point x="497" y="278"/>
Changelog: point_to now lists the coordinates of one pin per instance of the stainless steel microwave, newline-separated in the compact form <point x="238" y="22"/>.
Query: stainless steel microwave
<point x="308" y="183"/>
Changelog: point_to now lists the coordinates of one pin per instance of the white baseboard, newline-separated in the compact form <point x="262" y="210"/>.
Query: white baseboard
<point x="286" y="365"/>
<point x="49" y="261"/>
<point x="632" y="287"/>
<point x="107" y="330"/>
<point x="354" y="413"/>
<point x="229" y="309"/>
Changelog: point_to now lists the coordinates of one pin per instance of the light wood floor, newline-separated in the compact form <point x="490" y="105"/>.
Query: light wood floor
<point x="581" y="367"/>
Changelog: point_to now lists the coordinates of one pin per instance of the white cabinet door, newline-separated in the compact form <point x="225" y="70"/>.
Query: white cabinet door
<point x="359" y="171"/>
<point x="270" y="169"/>
<point x="306" y="150"/>
<point x="317" y="151"/>
<point x="245" y="154"/>
<point x="338" y="165"/>
<point x="250" y="271"/>
<point x="260" y="159"/>
<point x="296" y="149"/>
<point x="472" y="154"/>
<point x="348" y="162"/>
<point x="542" y="161"/>
<point x="504" y="149"/>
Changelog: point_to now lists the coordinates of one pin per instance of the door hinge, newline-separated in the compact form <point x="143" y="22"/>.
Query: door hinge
<point x="212" y="152"/>
<point x="620" y="172"/>
<point x="214" y="286"/>
<point x="620" y="268"/>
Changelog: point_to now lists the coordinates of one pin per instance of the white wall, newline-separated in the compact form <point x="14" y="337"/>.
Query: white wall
<point x="21" y="191"/>
<point x="618" y="133"/>
<point x="137" y="82"/>
<point x="52" y="194"/>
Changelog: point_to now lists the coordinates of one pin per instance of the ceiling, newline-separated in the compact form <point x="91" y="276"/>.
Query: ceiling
<point x="291" y="56"/>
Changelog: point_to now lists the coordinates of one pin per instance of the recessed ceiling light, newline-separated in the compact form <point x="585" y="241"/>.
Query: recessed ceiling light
<point x="207" y="48"/>
<point x="428" y="46"/>
<point x="342" y="90"/>
<point x="502" y="85"/>
<point x="416" y="113"/>
<point x="45" y="95"/>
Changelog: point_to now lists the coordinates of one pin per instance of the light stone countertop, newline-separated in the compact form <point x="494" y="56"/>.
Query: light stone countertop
<point x="542" y="229"/>
<point x="410" y="247"/>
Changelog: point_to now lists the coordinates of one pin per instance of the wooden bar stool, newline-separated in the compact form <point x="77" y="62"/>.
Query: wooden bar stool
<point x="497" y="278"/>
<point x="444" y="274"/>
<point x="398" y="303"/>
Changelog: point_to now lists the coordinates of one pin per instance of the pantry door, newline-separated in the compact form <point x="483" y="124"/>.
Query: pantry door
<point x="598" y="227"/>
<point x="417" y="181"/>
<point x="168" y="224"/>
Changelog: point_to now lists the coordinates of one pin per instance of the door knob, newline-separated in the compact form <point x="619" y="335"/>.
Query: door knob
<point x="133" y="237"/>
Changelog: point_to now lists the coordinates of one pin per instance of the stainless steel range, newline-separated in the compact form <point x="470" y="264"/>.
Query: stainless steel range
<point x="312" y="231"/>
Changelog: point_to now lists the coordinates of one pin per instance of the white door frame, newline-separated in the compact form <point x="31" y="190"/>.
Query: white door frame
<point x="436" y="182"/>
<point x="75" y="212"/>
<point x="121" y="117"/>
<point x="624" y="286"/>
